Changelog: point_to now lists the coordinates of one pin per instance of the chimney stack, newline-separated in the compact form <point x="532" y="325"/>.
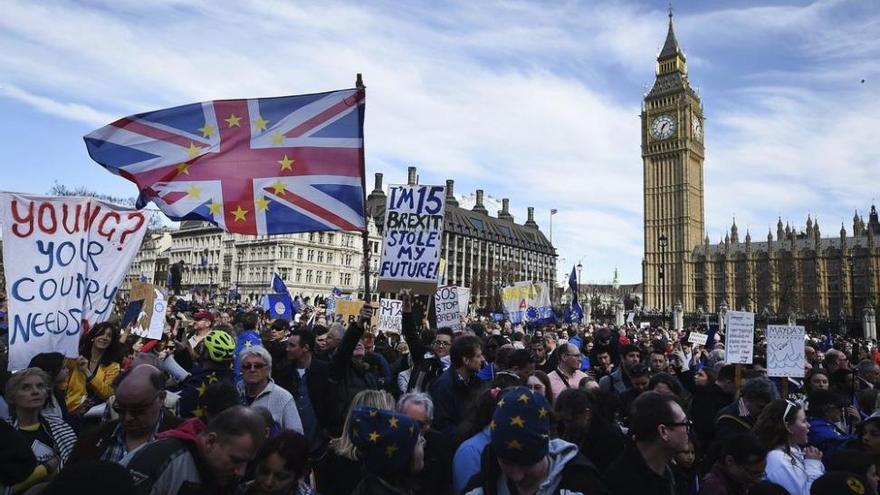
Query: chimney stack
<point x="450" y="193"/>
<point x="478" y="207"/>
<point x="378" y="186"/>
<point x="411" y="177"/>
<point x="531" y="220"/>
<point x="504" y="214"/>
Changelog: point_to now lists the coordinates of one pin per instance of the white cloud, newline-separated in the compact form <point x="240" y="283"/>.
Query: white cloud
<point x="534" y="101"/>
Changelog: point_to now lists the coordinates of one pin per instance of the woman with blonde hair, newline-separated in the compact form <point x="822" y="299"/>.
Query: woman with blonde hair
<point x="339" y="470"/>
<point x="51" y="439"/>
<point x="782" y="427"/>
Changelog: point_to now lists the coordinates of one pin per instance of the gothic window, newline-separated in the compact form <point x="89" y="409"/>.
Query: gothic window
<point x="309" y="276"/>
<point x="320" y="256"/>
<point x="311" y="255"/>
<point x="299" y="275"/>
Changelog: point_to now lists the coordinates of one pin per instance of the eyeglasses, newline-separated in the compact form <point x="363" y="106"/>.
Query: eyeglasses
<point x="253" y="366"/>
<point x="686" y="423"/>
<point x="442" y="343"/>
<point x="137" y="410"/>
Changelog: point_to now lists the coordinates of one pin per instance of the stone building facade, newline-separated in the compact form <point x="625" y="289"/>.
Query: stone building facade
<point x="483" y="252"/>
<point x="796" y="273"/>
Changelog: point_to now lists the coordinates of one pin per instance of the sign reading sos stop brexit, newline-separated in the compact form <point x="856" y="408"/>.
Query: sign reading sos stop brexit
<point x="64" y="259"/>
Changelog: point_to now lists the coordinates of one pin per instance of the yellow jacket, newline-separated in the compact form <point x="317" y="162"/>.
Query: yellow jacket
<point x="99" y="384"/>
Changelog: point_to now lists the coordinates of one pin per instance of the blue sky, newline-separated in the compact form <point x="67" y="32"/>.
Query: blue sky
<point x="535" y="101"/>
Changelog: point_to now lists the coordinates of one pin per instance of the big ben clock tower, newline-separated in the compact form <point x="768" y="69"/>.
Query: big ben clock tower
<point x="672" y="155"/>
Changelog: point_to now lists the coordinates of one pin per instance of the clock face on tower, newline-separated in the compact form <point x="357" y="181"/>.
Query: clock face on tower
<point x="697" y="128"/>
<point x="663" y="126"/>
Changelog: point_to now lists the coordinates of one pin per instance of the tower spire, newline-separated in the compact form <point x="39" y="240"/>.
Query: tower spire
<point x="670" y="47"/>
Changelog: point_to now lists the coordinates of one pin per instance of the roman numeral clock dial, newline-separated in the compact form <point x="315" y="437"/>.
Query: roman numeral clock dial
<point x="663" y="126"/>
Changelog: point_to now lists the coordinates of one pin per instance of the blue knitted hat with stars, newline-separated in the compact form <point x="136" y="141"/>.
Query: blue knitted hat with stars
<point x="385" y="439"/>
<point x="520" y="427"/>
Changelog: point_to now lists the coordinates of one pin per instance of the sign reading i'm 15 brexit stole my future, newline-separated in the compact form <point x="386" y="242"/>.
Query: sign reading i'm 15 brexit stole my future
<point x="413" y="233"/>
<point x="64" y="259"/>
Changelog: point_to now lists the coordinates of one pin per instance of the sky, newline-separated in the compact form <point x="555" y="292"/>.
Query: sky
<point x="534" y="101"/>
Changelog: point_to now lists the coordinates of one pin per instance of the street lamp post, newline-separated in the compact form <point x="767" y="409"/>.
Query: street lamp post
<point x="663" y="241"/>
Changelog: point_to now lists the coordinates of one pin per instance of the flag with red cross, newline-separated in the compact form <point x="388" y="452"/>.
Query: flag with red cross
<point x="258" y="166"/>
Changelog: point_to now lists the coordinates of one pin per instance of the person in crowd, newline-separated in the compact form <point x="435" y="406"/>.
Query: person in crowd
<point x="603" y="364"/>
<point x="218" y="397"/>
<point x="91" y="381"/>
<point x="522" y="458"/>
<point x="455" y="389"/>
<point x="320" y="341"/>
<point x="281" y="467"/>
<point x="740" y="465"/>
<point x="824" y="413"/>
<point x="332" y="340"/>
<point x="17" y="460"/>
<point x="658" y="360"/>
<point x="91" y="477"/>
<point x="473" y="433"/>
<point x="203" y="321"/>
<point x="598" y="439"/>
<point x="308" y="381"/>
<point x="139" y="396"/>
<point x="782" y="428"/>
<point x="53" y="363"/>
<point x="259" y="390"/>
<point x="432" y="362"/>
<point x="436" y="477"/>
<point x="520" y="363"/>
<point x="539" y="355"/>
<point x="666" y="384"/>
<point x="275" y="341"/>
<point x="349" y="374"/>
<point x="855" y="462"/>
<point x="685" y="470"/>
<point x="816" y="379"/>
<point x="835" y="360"/>
<point x="640" y="378"/>
<point x="619" y="380"/>
<point x="567" y="374"/>
<point x="868" y="374"/>
<point x="493" y="344"/>
<point x="50" y="438"/>
<point x="741" y="415"/>
<point x="214" y="364"/>
<point x="194" y="458"/>
<point x="660" y="428"/>
<point x="249" y="336"/>
<point x="338" y="472"/>
<point x="841" y="483"/>
<point x="390" y="448"/>
<point x="539" y="382"/>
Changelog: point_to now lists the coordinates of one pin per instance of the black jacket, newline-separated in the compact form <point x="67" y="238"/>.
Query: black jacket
<point x="630" y="475"/>
<point x="453" y="398"/>
<point x="17" y="460"/>
<point x="348" y="377"/>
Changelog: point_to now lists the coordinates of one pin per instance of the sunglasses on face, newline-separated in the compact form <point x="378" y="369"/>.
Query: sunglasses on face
<point x="253" y="366"/>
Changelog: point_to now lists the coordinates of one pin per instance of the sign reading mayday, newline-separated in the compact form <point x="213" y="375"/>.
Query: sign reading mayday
<point x="413" y="231"/>
<point x="64" y="259"/>
<point x="785" y="351"/>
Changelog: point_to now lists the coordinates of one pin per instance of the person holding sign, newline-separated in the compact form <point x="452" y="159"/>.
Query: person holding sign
<point x="91" y="380"/>
<point x="51" y="439"/>
<point x="783" y="427"/>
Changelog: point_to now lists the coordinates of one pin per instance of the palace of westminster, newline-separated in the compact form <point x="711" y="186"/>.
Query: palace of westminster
<point x="796" y="273"/>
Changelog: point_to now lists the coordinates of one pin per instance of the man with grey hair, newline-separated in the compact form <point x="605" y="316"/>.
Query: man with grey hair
<point x="436" y="476"/>
<point x="740" y="416"/>
<point x="331" y="342"/>
<point x="868" y="373"/>
<point x="259" y="390"/>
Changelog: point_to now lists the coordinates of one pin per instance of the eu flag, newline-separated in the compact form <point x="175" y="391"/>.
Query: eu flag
<point x="577" y="313"/>
<point x="278" y="285"/>
<point x="280" y="306"/>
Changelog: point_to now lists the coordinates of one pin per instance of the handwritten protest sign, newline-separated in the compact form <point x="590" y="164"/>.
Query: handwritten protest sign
<point x="348" y="311"/>
<point x="785" y="351"/>
<point x="390" y="315"/>
<point x="446" y="306"/>
<point x="150" y="319"/>
<point x="413" y="233"/>
<point x="464" y="300"/>
<point x="739" y="337"/>
<point x="698" y="338"/>
<point x="64" y="259"/>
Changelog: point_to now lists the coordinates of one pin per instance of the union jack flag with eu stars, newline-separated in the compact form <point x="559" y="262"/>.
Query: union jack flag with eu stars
<point x="259" y="166"/>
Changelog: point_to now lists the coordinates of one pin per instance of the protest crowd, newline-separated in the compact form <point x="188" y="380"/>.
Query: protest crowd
<point x="230" y="400"/>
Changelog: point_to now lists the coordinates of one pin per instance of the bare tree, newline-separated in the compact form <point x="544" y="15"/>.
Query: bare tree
<point x="62" y="190"/>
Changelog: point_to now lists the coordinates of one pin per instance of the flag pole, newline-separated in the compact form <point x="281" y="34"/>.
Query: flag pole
<point x="365" y="234"/>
